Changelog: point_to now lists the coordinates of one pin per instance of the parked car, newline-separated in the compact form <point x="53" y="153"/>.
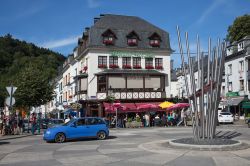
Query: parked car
<point x="248" y="122"/>
<point x="225" y="117"/>
<point x="77" y="128"/>
<point x="54" y="122"/>
<point x="44" y="123"/>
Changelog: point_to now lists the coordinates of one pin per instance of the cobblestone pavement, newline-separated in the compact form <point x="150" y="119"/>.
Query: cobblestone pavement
<point x="133" y="147"/>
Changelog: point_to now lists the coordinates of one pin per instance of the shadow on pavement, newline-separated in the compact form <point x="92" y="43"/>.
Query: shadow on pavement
<point x="87" y="139"/>
<point x="228" y="134"/>
<point x="3" y="143"/>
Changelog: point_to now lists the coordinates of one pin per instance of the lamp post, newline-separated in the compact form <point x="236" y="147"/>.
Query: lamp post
<point x="110" y="95"/>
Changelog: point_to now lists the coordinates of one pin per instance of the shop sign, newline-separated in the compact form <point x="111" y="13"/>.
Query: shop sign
<point x="121" y="54"/>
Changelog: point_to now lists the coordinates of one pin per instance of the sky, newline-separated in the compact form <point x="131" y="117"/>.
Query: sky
<point x="57" y="24"/>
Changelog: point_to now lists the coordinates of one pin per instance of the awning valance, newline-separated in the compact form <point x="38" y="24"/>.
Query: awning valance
<point x="232" y="101"/>
<point x="130" y="107"/>
<point x="246" y="104"/>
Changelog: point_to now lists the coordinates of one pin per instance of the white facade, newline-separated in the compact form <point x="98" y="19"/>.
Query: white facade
<point x="237" y="67"/>
<point x="91" y="61"/>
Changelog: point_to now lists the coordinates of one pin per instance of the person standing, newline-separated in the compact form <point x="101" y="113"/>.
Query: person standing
<point x="147" y="118"/>
<point x="68" y="118"/>
<point x="20" y="125"/>
<point x="33" y="123"/>
<point x="2" y="123"/>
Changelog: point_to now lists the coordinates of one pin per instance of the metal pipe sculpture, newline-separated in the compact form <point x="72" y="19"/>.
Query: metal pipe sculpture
<point x="206" y="89"/>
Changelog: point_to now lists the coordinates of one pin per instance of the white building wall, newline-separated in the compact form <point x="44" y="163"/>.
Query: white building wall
<point x="235" y="76"/>
<point x="91" y="61"/>
<point x="174" y="88"/>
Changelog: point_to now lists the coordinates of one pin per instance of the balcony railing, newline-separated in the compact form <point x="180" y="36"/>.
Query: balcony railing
<point x="128" y="95"/>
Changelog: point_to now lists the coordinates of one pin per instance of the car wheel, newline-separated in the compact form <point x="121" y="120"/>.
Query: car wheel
<point x="101" y="135"/>
<point x="60" y="138"/>
<point x="248" y="125"/>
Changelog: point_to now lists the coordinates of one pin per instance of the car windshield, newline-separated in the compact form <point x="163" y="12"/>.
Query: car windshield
<point x="66" y="124"/>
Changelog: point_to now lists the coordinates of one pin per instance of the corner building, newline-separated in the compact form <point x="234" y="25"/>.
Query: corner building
<point x="125" y="57"/>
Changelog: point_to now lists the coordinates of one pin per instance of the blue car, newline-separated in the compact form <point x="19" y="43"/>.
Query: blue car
<point x="78" y="128"/>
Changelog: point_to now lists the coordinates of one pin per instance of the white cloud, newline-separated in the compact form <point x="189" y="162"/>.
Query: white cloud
<point x="61" y="42"/>
<point x="93" y="3"/>
<point x="209" y="10"/>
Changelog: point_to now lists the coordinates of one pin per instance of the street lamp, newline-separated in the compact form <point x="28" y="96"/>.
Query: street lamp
<point x="110" y="95"/>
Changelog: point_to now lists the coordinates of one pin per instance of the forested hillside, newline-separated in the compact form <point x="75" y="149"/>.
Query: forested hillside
<point x="18" y="57"/>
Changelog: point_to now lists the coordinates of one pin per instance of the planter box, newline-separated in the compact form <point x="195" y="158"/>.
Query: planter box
<point x="133" y="124"/>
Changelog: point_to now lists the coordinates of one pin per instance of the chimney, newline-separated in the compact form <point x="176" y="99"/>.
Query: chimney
<point x="96" y="19"/>
<point x="86" y="29"/>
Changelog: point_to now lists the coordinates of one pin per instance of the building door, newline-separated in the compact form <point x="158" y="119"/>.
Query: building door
<point x="94" y="113"/>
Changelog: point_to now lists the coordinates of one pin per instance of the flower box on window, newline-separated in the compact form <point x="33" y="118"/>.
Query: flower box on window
<point x="108" y="42"/>
<point x="132" y="42"/>
<point x="137" y="66"/>
<point x="149" y="67"/>
<point x="102" y="66"/>
<point x="113" y="66"/>
<point x="126" y="66"/>
<point x="159" y="67"/>
<point x="154" y="43"/>
<point x="70" y="96"/>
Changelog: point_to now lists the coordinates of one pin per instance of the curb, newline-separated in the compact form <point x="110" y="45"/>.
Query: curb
<point x="204" y="146"/>
<point x="16" y="137"/>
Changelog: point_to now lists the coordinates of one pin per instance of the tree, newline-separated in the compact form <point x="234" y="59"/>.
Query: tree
<point x="15" y="55"/>
<point x="34" y="87"/>
<point x="239" y="29"/>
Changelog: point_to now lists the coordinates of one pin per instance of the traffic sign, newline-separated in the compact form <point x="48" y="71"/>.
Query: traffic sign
<point x="11" y="89"/>
<point x="7" y="101"/>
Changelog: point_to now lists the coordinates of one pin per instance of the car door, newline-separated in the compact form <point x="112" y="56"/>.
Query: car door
<point x="94" y="126"/>
<point x="82" y="129"/>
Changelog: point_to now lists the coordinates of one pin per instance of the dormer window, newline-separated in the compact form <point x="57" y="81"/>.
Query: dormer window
<point x="155" y="40"/>
<point x="108" y="40"/>
<point x="132" y="39"/>
<point x="109" y="37"/>
<point x="132" y="42"/>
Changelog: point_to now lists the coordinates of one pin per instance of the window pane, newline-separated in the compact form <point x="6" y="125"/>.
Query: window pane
<point x="149" y="61"/>
<point x="152" y="82"/>
<point x="158" y="61"/>
<point x="135" y="82"/>
<point x="83" y="84"/>
<point x="117" y="82"/>
<point x="126" y="61"/>
<point x="102" y="60"/>
<point x="80" y="122"/>
<point x="137" y="61"/>
<point x="113" y="60"/>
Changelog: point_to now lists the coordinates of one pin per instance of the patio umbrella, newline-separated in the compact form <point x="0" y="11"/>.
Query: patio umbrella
<point x="147" y="106"/>
<point x="179" y="106"/>
<point x="166" y="104"/>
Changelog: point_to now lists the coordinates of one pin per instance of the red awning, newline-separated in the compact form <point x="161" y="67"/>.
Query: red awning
<point x="130" y="107"/>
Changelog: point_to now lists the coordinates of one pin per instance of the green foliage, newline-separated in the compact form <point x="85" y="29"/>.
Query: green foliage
<point x="129" y="119"/>
<point x="34" y="88"/>
<point x="27" y="66"/>
<point x="110" y="99"/>
<point x="239" y="29"/>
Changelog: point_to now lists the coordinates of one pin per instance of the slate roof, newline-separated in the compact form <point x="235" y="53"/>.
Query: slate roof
<point x="130" y="71"/>
<point x="122" y="26"/>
